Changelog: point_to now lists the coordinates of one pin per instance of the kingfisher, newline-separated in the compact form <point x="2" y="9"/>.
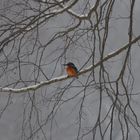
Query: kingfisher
<point x="71" y="70"/>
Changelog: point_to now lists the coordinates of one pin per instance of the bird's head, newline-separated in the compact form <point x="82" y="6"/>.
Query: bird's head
<point x="69" y="64"/>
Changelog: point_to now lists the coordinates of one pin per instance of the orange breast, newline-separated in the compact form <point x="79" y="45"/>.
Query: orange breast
<point x="71" y="72"/>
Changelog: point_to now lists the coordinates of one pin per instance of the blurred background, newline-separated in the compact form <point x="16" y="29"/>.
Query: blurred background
<point x="38" y="37"/>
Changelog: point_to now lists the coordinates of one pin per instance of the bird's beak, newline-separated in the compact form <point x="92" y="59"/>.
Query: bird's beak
<point x="64" y="64"/>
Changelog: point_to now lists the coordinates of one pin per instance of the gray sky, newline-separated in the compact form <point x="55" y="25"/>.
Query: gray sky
<point x="18" y="108"/>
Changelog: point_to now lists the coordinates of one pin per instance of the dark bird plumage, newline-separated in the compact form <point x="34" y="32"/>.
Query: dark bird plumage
<point x="71" y="69"/>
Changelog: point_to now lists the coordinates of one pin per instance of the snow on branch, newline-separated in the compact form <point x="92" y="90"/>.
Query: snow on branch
<point x="62" y="78"/>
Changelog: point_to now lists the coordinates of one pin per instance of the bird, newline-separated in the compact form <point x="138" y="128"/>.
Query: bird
<point x="71" y="70"/>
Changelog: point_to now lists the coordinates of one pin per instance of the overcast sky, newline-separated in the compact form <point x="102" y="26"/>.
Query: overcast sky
<point x="63" y="125"/>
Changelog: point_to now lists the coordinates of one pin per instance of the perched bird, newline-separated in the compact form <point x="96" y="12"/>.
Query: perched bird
<point x="71" y="70"/>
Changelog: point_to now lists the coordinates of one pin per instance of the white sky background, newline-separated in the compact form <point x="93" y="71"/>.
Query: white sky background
<point x="64" y="127"/>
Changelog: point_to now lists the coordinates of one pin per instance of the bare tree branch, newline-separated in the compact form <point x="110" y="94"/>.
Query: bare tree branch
<point x="61" y="78"/>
